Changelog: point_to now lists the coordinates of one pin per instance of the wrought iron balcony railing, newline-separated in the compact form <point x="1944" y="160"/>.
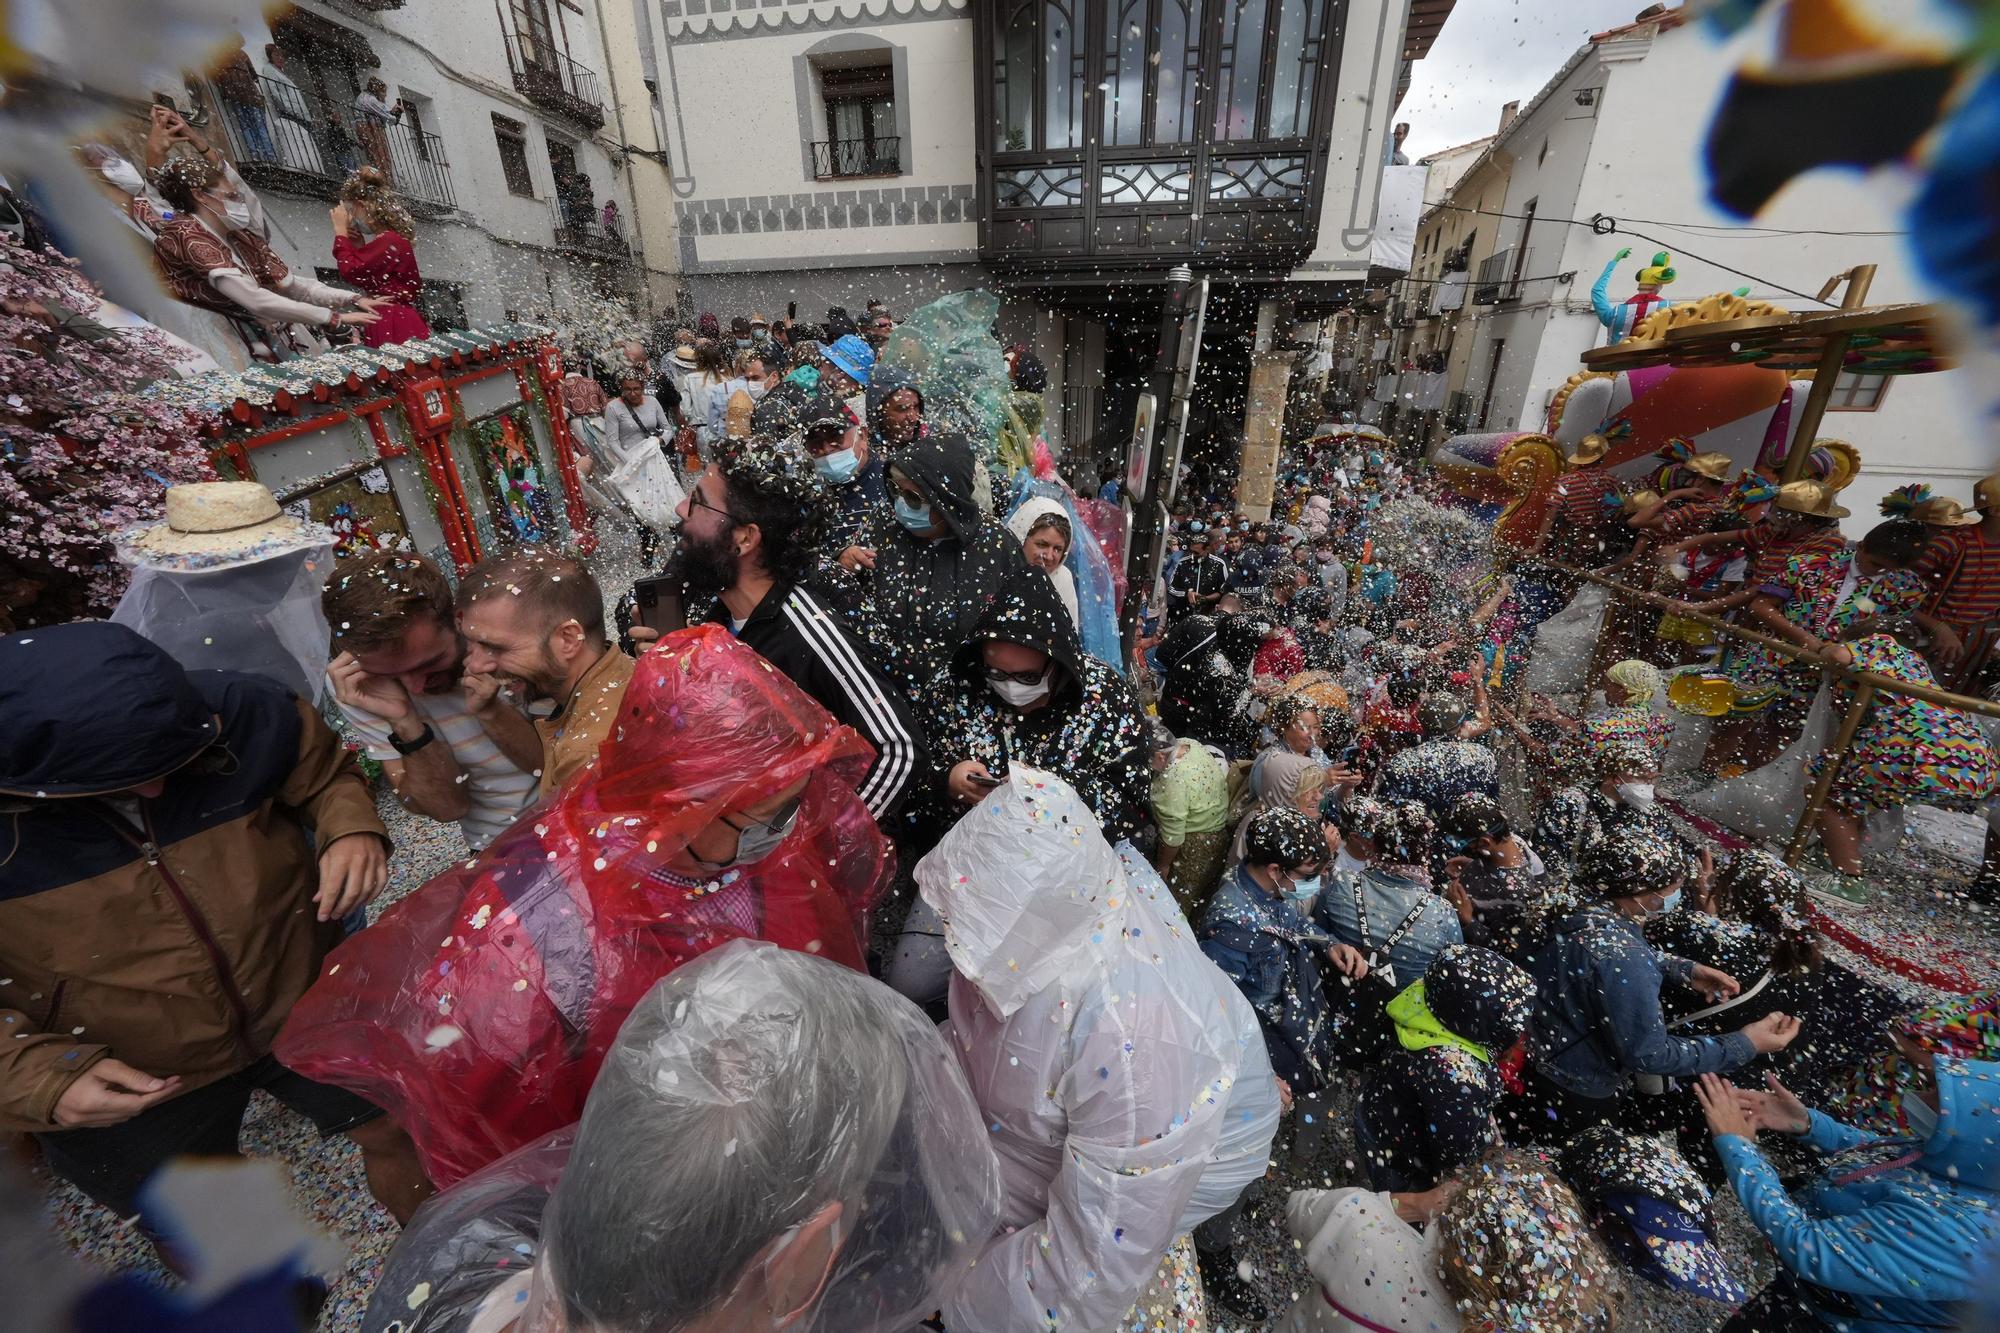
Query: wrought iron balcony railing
<point x="836" y="159"/>
<point x="281" y="140"/>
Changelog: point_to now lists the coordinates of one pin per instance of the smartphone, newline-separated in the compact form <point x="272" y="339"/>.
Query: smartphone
<point x="984" y="780"/>
<point x="791" y="312"/>
<point x="659" y="602"/>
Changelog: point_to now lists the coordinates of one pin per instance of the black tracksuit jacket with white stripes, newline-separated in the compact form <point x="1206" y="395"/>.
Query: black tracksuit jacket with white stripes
<point x="797" y="632"/>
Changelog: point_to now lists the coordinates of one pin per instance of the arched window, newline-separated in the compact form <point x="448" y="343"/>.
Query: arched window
<point x="1038" y="69"/>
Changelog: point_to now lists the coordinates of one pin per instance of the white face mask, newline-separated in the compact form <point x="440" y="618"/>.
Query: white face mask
<point x="1638" y="795"/>
<point x="1019" y="695"/>
<point x="237" y="211"/>
<point x="124" y="175"/>
<point x="755" y="388"/>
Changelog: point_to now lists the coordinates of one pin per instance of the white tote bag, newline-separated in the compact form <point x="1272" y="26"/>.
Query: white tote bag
<point x="645" y="481"/>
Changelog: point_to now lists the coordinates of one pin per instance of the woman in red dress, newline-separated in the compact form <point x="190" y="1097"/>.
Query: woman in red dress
<point x="384" y="265"/>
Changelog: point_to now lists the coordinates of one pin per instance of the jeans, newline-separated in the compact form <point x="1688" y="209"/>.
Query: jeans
<point x="256" y="135"/>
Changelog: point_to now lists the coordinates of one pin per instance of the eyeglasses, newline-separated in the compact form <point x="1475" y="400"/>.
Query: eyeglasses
<point x="779" y="823"/>
<point x="696" y="502"/>
<point x="1034" y="677"/>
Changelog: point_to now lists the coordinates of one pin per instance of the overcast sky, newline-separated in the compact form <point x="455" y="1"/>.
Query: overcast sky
<point x="1493" y="52"/>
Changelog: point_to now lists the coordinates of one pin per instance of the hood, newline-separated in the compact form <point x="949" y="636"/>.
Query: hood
<point x="1419" y="1029"/>
<point x="1028" y="611"/>
<point x="91" y="708"/>
<point x="1190" y="637"/>
<point x="886" y="380"/>
<point x="941" y="468"/>
<point x="1027" y="887"/>
<point x="1032" y="511"/>
<point x="1479" y="995"/>
<point x="1966" y="1147"/>
<point x="764" y="734"/>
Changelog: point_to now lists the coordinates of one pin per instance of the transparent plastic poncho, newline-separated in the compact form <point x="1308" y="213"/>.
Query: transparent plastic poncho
<point x="1123" y="1079"/>
<point x="1093" y="586"/>
<point x="960" y="368"/>
<point x="751" y="1091"/>
<point x="261" y="616"/>
<point x="477" y="1010"/>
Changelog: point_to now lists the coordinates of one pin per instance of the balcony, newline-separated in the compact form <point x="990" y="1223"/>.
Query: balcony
<point x="554" y="82"/>
<point x="1499" y="277"/>
<point x="280" y="142"/>
<point x="579" y="229"/>
<point x="843" y="159"/>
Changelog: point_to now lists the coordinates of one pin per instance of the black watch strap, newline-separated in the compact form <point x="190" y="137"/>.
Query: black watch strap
<point x="415" y="743"/>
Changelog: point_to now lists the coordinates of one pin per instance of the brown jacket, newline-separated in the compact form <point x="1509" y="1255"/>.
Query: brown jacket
<point x="570" y="738"/>
<point x="183" y="952"/>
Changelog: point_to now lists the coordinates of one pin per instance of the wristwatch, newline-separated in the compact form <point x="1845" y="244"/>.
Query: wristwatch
<point x="415" y="743"/>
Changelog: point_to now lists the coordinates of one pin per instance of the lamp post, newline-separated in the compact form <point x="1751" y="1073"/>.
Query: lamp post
<point x="1154" y="418"/>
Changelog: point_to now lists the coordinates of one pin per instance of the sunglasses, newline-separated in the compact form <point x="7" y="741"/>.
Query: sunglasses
<point x="1034" y="677"/>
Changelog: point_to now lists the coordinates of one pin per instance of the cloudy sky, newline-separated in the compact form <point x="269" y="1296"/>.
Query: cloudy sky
<point x="1493" y="52"/>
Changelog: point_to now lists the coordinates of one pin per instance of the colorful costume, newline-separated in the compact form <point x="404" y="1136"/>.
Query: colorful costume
<point x="1822" y="599"/>
<point x="1619" y="320"/>
<point x="1911" y="751"/>
<point x="478" y="1009"/>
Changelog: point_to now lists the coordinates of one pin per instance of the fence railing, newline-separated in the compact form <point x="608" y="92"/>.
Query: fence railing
<point x="836" y="158"/>
<point x="1497" y="279"/>
<point x="281" y="138"/>
<point x="548" y="78"/>
<point x="580" y="226"/>
<point x="1866" y="684"/>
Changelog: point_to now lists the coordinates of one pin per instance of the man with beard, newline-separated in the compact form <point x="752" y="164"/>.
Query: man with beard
<point x="453" y="746"/>
<point x="750" y="533"/>
<point x="535" y="618"/>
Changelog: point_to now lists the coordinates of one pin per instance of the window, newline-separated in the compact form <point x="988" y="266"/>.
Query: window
<point x="443" y="306"/>
<point x="511" y="137"/>
<point x="1542" y="156"/>
<point x="861" y="137"/>
<point x="1857" y="393"/>
<point x="1038" y="69"/>
<point x="1521" y="250"/>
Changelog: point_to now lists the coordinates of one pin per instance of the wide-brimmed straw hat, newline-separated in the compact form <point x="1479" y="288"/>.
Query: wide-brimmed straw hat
<point x="1589" y="449"/>
<point x="1941" y="511"/>
<point x="1814" y="499"/>
<point x="221" y="522"/>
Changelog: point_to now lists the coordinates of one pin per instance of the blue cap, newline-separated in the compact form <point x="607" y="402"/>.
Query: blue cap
<point x="1668" y="1245"/>
<point x="853" y="355"/>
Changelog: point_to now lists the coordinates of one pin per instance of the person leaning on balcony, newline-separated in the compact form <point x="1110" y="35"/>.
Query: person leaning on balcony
<point x="372" y="116"/>
<point x="208" y="255"/>
<point x="383" y="264"/>
<point x="236" y="79"/>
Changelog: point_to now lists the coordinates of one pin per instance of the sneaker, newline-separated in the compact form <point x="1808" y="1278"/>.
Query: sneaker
<point x="1841" y="890"/>
<point x="1224" y="1282"/>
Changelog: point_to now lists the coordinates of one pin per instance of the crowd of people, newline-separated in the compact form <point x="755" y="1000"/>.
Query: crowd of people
<point x="851" y="940"/>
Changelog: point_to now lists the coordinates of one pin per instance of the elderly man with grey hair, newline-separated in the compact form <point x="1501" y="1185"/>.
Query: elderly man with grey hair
<point x="775" y="1141"/>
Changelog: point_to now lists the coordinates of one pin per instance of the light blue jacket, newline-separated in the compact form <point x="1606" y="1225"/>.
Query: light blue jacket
<point x="1904" y="1243"/>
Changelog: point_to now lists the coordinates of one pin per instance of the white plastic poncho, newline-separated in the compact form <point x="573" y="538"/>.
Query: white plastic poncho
<point x="1122" y="1077"/>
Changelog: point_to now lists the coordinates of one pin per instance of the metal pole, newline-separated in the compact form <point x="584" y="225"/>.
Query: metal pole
<point x="1831" y="359"/>
<point x="1142" y="560"/>
<point x="1835" y="756"/>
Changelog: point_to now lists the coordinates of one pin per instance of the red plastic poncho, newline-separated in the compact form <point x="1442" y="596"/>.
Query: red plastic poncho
<point x="477" y="1010"/>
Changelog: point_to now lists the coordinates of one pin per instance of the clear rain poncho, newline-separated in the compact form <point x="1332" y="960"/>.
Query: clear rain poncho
<point x="746" y="1093"/>
<point x="1123" y="1079"/>
<point x="260" y="615"/>
<point x="1092" y="596"/>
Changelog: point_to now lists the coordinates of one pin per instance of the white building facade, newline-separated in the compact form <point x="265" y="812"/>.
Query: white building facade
<point x="1619" y="133"/>
<point x="506" y="151"/>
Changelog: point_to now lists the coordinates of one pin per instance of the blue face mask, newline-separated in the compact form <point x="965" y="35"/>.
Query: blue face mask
<point x="1303" y="890"/>
<point x="1669" y="903"/>
<point x="917" y="518"/>
<point x="838" y="469"/>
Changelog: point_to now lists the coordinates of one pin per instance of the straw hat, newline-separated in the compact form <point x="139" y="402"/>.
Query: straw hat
<point x="1986" y="493"/>
<point x="222" y="521"/>
<point x="684" y="355"/>
<point x="1812" y="498"/>
<point x="1713" y="466"/>
<point x="1589" y="449"/>
<point x="1941" y="511"/>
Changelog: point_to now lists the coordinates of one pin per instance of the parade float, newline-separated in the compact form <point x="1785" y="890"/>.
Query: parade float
<point x="455" y="445"/>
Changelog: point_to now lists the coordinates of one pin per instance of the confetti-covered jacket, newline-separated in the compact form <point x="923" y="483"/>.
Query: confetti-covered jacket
<point x="1264" y="944"/>
<point x="1891" y="1234"/>
<point x="922" y="598"/>
<point x="1598" y="1020"/>
<point x="178" y="945"/>
<point x="1091" y="730"/>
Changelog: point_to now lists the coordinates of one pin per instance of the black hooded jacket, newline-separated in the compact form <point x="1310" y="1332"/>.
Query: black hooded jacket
<point x="923" y="597"/>
<point x="1202" y="695"/>
<point x="1091" y="732"/>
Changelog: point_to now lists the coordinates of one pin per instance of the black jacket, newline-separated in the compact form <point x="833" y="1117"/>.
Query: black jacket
<point x="801" y="636"/>
<point x="1091" y="732"/>
<point x="923" y="598"/>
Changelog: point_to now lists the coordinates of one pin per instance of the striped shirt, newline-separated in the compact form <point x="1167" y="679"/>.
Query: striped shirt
<point x="496" y="788"/>
<point x="1962" y="569"/>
